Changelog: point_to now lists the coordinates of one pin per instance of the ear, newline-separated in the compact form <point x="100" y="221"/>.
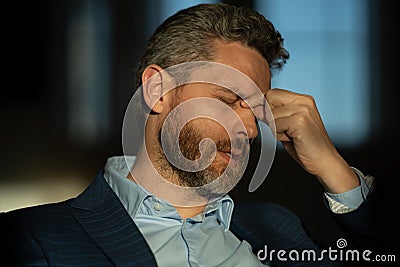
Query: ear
<point x="152" y="88"/>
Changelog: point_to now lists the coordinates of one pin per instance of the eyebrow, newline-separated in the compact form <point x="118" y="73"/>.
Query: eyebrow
<point x="233" y="91"/>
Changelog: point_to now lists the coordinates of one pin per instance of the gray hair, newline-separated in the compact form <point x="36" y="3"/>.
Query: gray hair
<point x="188" y="35"/>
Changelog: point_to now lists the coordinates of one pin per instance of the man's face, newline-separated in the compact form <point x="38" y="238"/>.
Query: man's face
<point x="231" y="134"/>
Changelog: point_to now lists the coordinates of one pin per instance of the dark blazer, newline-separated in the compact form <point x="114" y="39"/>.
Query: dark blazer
<point x="375" y="225"/>
<point x="94" y="229"/>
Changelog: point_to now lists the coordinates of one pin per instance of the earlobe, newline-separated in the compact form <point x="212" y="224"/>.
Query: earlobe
<point x="152" y="88"/>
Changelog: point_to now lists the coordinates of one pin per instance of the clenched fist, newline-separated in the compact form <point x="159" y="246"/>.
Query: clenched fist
<point x="299" y="127"/>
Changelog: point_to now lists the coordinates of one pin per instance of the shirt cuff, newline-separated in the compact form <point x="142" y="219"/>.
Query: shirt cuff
<point x="352" y="199"/>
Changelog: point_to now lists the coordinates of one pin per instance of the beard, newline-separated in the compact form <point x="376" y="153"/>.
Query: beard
<point x="189" y="143"/>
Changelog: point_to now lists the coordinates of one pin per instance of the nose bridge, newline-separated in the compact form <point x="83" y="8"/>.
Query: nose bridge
<point x="248" y="121"/>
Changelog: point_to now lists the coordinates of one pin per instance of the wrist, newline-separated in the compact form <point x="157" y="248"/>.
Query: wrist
<point x="339" y="177"/>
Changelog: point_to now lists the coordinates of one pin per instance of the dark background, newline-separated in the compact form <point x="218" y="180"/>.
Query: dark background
<point x="36" y="146"/>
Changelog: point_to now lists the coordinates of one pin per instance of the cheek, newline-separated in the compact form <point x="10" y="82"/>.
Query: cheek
<point x="208" y="128"/>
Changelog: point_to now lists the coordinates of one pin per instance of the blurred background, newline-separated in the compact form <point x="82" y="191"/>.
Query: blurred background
<point x="68" y="70"/>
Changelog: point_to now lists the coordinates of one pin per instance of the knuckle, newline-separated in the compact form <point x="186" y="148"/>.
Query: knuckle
<point x="309" y="100"/>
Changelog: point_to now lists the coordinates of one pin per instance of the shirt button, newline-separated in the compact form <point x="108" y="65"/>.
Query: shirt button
<point x="157" y="207"/>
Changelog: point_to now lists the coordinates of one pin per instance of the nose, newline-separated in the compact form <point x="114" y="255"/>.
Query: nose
<point x="248" y="119"/>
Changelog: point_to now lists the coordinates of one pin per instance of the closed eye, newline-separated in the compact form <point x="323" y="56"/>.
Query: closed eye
<point x="228" y="100"/>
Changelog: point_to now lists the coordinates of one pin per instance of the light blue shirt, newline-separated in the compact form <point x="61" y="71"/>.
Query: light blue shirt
<point x="204" y="240"/>
<point x="355" y="197"/>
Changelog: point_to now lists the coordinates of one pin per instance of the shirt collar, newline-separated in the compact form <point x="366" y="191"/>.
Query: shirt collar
<point x="129" y="193"/>
<point x="223" y="207"/>
<point x="136" y="199"/>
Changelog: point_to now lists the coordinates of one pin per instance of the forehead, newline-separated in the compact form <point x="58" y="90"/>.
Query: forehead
<point x="246" y="60"/>
<point x="235" y="69"/>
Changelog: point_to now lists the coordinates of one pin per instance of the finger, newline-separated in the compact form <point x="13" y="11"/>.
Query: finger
<point x="280" y="97"/>
<point x="281" y="129"/>
<point x="287" y="111"/>
<point x="288" y="127"/>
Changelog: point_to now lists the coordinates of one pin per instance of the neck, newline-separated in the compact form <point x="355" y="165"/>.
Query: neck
<point x="189" y="212"/>
<point x="184" y="212"/>
<point x="142" y="168"/>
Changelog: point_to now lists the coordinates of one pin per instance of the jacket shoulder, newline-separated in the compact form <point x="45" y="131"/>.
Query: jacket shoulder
<point x="270" y="223"/>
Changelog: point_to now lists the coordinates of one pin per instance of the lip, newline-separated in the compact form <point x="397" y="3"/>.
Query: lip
<point x="234" y="156"/>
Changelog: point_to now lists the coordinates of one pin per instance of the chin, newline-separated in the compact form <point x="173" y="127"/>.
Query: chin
<point x="218" y="167"/>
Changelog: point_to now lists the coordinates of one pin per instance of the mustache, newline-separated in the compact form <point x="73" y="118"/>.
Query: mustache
<point x="226" y="145"/>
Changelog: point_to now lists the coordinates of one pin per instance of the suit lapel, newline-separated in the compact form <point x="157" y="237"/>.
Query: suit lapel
<point x="103" y="217"/>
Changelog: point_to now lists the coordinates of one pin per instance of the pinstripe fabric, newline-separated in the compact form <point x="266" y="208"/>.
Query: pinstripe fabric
<point x="277" y="227"/>
<point x="92" y="230"/>
<point x="95" y="230"/>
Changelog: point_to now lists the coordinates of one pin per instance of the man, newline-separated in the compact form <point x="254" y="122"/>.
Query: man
<point x="158" y="207"/>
